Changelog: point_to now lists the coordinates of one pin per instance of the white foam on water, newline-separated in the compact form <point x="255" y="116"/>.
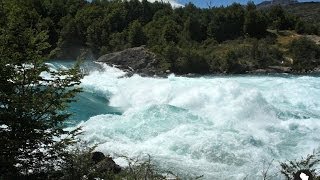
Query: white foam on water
<point x="219" y="127"/>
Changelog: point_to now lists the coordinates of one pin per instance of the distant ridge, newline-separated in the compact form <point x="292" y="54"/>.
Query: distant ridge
<point x="278" y="2"/>
<point x="284" y="2"/>
<point x="307" y="11"/>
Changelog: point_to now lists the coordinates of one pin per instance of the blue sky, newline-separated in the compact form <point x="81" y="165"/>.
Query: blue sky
<point x="202" y="3"/>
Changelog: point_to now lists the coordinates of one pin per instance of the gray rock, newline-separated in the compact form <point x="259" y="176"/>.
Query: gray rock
<point x="281" y="69"/>
<point x="259" y="71"/>
<point x="316" y="70"/>
<point x="272" y="69"/>
<point x="108" y="165"/>
<point x="97" y="157"/>
<point x="134" y="60"/>
<point x="104" y="164"/>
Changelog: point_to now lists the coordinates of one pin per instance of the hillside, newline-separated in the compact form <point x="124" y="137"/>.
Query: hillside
<point x="232" y="39"/>
<point x="309" y="11"/>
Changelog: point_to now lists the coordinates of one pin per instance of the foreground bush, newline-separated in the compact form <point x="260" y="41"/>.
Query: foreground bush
<point x="308" y="166"/>
<point x="84" y="163"/>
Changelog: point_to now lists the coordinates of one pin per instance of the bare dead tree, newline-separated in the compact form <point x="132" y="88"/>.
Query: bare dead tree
<point x="209" y="3"/>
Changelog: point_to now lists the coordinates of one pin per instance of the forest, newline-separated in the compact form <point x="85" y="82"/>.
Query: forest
<point x="189" y="39"/>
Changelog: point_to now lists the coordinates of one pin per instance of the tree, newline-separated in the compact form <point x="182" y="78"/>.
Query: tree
<point x="277" y="17"/>
<point x="32" y="106"/>
<point x="135" y="10"/>
<point x="192" y="62"/>
<point x="227" y="23"/>
<point x="192" y="30"/>
<point x="147" y="11"/>
<point x="170" y="32"/>
<point x="97" y="36"/>
<point x="255" y="24"/>
<point x="136" y="35"/>
<point x="300" y="27"/>
<point x="306" y="54"/>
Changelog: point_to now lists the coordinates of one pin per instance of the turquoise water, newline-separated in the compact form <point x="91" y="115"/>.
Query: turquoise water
<point x="219" y="127"/>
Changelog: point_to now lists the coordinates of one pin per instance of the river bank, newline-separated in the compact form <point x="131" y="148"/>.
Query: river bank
<point x="140" y="60"/>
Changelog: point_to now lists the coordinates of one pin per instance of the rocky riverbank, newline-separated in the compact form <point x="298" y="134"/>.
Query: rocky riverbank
<point x="137" y="60"/>
<point x="140" y="60"/>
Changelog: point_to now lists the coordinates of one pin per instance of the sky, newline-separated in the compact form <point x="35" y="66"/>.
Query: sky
<point x="203" y="3"/>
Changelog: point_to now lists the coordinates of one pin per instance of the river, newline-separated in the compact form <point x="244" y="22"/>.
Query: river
<point x="221" y="127"/>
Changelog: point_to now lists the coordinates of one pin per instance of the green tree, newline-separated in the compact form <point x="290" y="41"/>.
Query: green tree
<point x="170" y="32"/>
<point x="98" y="36"/>
<point x="192" y="30"/>
<point x="137" y="36"/>
<point x="300" y="27"/>
<point x="277" y="17"/>
<point x="147" y="11"/>
<point x="227" y="23"/>
<point x="32" y="106"/>
<point x="255" y="24"/>
<point x="306" y="54"/>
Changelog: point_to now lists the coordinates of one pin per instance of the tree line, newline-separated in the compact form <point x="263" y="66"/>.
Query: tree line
<point x="186" y="38"/>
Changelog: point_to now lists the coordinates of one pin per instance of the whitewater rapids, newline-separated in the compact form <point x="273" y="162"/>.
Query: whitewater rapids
<point x="220" y="127"/>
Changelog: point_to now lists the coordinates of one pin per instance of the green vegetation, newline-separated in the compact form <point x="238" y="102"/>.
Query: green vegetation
<point x="79" y="165"/>
<point x="32" y="107"/>
<point x="308" y="12"/>
<point x="186" y="39"/>
<point x="306" y="53"/>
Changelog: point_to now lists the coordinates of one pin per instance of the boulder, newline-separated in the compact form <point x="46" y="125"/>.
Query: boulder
<point x="272" y="69"/>
<point x="133" y="60"/>
<point x="316" y="70"/>
<point x="104" y="163"/>
<point x="108" y="165"/>
<point x="281" y="69"/>
<point x="97" y="157"/>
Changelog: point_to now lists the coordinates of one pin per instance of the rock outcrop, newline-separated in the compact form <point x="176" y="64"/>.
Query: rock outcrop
<point x="97" y="157"/>
<point x="133" y="60"/>
<point x="272" y="69"/>
<point x="104" y="164"/>
<point x="140" y="60"/>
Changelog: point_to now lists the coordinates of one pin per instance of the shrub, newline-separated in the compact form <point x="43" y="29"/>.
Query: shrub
<point x="291" y="168"/>
<point x="305" y="53"/>
<point x="79" y="164"/>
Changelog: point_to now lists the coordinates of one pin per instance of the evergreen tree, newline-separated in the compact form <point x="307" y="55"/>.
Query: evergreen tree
<point x="170" y="33"/>
<point x="32" y="106"/>
<point x="277" y="17"/>
<point x="255" y="24"/>
<point x="137" y="36"/>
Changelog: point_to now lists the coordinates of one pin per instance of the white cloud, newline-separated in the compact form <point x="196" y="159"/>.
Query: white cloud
<point x="174" y="3"/>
